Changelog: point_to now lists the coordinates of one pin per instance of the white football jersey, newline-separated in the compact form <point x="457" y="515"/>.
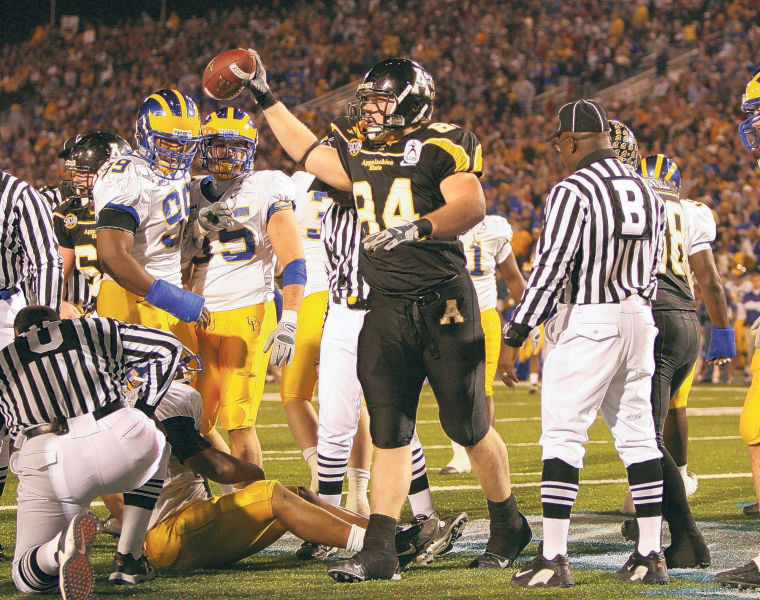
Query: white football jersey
<point x="700" y="226"/>
<point x="182" y="487"/>
<point x="310" y="207"/>
<point x="160" y="207"/>
<point x="235" y="267"/>
<point x="485" y="246"/>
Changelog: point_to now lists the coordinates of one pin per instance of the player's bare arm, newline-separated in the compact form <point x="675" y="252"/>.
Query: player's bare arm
<point x="114" y="251"/>
<point x="286" y="243"/>
<point x="223" y="468"/>
<point x="511" y="275"/>
<point x="465" y="205"/>
<point x="295" y="137"/>
<point x="706" y="274"/>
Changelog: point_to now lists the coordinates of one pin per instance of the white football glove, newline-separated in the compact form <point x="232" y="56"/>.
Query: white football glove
<point x="216" y="217"/>
<point x="535" y="338"/>
<point x="282" y="341"/>
<point x="755" y="329"/>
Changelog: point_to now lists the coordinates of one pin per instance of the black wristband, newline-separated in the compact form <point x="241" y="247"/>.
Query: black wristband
<point x="266" y="100"/>
<point x="311" y="148"/>
<point x="514" y="335"/>
<point x="424" y="227"/>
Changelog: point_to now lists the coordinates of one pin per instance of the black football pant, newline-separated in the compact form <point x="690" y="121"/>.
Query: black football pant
<point x="403" y="341"/>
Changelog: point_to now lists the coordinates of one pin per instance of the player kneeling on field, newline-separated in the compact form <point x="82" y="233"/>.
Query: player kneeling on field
<point x="190" y="529"/>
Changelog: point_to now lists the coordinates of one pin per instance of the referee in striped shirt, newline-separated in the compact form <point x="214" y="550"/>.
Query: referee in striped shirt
<point x="62" y="399"/>
<point x="31" y="269"/>
<point x="596" y="263"/>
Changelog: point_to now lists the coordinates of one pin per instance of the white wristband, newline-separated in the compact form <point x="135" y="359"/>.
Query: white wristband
<point x="289" y="316"/>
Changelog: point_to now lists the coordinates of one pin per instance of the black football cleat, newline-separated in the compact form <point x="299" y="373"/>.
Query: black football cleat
<point x="128" y="570"/>
<point x="541" y="572"/>
<point x="312" y="551"/>
<point x="437" y="536"/>
<point x="494" y="560"/>
<point x="745" y="577"/>
<point x="365" y="565"/>
<point x="644" y="569"/>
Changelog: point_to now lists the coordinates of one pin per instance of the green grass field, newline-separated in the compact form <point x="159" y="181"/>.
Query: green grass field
<point x="717" y="455"/>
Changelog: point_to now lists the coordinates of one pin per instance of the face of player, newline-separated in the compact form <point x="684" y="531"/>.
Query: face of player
<point x="169" y="153"/>
<point x="227" y="161"/>
<point x="374" y="109"/>
<point x="82" y="182"/>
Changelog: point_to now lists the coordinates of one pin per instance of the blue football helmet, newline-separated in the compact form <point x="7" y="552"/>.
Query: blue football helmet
<point x="662" y="171"/>
<point x="167" y="132"/>
<point x="228" y="142"/>
<point x="749" y="130"/>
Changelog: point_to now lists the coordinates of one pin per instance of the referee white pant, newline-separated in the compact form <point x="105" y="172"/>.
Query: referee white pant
<point x="599" y="357"/>
<point x="340" y="393"/>
<point x="59" y="475"/>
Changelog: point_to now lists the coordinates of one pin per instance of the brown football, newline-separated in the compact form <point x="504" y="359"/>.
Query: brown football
<point x="224" y="75"/>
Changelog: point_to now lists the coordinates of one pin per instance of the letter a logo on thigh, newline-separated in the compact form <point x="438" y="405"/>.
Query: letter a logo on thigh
<point x="452" y="312"/>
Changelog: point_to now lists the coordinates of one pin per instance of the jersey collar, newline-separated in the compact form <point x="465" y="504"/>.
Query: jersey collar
<point x="595" y="156"/>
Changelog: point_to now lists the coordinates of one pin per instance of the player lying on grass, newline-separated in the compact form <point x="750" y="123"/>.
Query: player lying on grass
<point x="191" y="529"/>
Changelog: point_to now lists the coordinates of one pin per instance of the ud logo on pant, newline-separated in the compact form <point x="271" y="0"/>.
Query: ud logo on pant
<point x="452" y="312"/>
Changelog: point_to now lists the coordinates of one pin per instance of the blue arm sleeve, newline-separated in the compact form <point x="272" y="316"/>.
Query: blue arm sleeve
<point x="178" y="302"/>
<point x="294" y="273"/>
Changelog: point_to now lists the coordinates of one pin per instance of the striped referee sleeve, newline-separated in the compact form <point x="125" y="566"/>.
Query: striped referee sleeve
<point x="153" y="352"/>
<point x="565" y="214"/>
<point x="37" y="238"/>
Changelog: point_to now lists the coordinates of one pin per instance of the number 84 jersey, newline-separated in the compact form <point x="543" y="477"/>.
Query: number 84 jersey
<point x="398" y="183"/>
<point x="235" y="266"/>
<point x="158" y="208"/>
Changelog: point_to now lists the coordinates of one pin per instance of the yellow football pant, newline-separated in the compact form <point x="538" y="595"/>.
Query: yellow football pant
<point x="749" y="422"/>
<point x="117" y="303"/>
<point x="299" y="378"/>
<point x="492" y="329"/>
<point x="216" y="532"/>
<point x="234" y="365"/>
<point x="682" y="395"/>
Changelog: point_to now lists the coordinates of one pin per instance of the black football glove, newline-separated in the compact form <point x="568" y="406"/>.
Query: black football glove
<point x="258" y="85"/>
<point x="389" y="238"/>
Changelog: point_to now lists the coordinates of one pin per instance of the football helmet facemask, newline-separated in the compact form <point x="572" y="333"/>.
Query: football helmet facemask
<point x="167" y="132"/>
<point x="228" y="143"/>
<point x="624" y="143"/>
<point x="84" y="160"/>
<point x="661" y="171"/>
<point x="395" y="94"/>
<point x="749" y="129"/>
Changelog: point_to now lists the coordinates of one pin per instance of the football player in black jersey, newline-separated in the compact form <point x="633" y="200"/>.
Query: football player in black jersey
<point x="689" y="233"/>
<point x="74" y="219"/>
<point x="415" y="187"/>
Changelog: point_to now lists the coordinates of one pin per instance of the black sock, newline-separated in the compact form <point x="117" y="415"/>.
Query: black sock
<point x="675" y="506"/>
<point x="381" y="534"/>
<point x="506" y="521"/>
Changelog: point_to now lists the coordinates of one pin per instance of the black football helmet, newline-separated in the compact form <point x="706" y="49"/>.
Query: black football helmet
<point x="624" y="143"/>
<point x="68" y="145"/>
<point x="84" y="161"/>
<point x="410" y="92"/>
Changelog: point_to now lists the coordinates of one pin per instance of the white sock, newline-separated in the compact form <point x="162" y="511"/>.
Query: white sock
<point x="355" y="539"/>
<point x="358" y="481"/>
<point x="134" y="526"/>
<point x="460" y="458"/>
<point x="310" y="456"/>
<point x="47" y="558"/>
<point x="421" y="503"/>
<point x="555" y="537"/>
<point x="682" y="471"/>
<point x="533" y="378"/>
<point x="650" y="534"/>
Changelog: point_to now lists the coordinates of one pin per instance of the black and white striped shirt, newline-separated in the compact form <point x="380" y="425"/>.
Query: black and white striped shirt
<point x="72" y="367"/>
<point x="342" y="234"/>
<point x="601" y="242"/>
<point x="30" y="258"/>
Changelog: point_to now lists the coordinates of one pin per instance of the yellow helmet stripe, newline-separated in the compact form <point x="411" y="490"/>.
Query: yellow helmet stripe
<point x="671" y="171"/>
<point x="658" y="166"/>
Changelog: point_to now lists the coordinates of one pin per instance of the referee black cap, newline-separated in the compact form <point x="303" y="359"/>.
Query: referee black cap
<point x="581" y="116"/>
